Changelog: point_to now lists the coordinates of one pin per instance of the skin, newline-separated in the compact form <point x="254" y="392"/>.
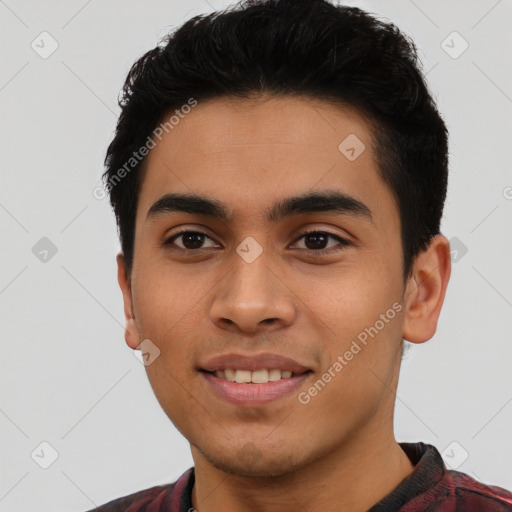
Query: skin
<point x="338" y="452"/>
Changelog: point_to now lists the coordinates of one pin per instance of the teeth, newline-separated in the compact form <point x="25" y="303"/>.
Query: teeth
<point x="230" y="375"/>
<point x="242" y="376"/>
<point x="256" y="377"/>
<point x="260" y="376"/>
<point x="274" y="375"/>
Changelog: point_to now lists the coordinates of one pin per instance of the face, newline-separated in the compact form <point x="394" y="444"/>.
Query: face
<point x="253" y="291"/>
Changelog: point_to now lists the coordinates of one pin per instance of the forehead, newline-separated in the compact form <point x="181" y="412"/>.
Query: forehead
<point x="249" y="153"/>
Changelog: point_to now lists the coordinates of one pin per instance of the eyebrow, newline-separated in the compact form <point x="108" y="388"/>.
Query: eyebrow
<point x="324" y="201"/>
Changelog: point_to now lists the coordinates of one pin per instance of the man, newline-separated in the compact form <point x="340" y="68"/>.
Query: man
<point x="278" y="176"/>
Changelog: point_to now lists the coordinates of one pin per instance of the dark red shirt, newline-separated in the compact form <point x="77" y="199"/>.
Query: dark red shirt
<point x="430" y="487"/>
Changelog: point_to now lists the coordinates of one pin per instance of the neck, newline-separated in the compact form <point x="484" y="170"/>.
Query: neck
<point x="352" y="478"/>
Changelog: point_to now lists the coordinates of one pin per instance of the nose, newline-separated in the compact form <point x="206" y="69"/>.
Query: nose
<point x="252" y="297"/>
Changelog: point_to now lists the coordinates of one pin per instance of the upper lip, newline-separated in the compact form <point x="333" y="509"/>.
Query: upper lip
<point x="253" y="362"/>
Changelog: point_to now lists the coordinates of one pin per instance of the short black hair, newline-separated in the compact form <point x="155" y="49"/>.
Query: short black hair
<point x="309" y="48"/>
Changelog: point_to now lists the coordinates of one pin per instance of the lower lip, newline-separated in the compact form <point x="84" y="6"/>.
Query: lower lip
<point x="254" y="394"/>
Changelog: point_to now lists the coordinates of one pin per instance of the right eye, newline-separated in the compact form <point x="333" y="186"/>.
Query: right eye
<point x="191" y="240"/>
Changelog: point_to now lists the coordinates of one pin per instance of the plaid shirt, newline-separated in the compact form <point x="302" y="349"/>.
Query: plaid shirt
<point x="430" y="487"/>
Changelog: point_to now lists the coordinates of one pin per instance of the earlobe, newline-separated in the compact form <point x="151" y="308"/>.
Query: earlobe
<point x="426" y="290"/>
<point x="131" y="333"/>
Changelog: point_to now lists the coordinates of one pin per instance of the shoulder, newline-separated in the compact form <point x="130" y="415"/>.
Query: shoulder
<point x="432" y="486"/>
<point x="160" y="498"/>
<point x="470" y="494"/>
<point x="137" y="500"/>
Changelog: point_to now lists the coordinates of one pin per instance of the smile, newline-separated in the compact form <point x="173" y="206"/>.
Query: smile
<point x="253" y="388"/>
<point x="256" y="377"/>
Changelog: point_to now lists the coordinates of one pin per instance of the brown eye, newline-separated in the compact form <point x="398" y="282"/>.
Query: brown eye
<point x="316" y="241"/>
<point x="190" y="240"/>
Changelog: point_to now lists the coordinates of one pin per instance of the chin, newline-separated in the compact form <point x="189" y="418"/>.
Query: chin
<point x="249" y="461"/>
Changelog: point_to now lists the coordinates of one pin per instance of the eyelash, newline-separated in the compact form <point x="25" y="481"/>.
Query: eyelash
<point x="342" y="241"/>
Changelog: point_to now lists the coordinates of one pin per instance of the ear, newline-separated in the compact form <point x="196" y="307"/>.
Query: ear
<point x="426" y="289"/>
<point x="131" y="333"/>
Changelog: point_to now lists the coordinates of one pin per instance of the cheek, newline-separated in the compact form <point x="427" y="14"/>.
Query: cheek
<point x="361" y="320"/>
<point x="167" y="300"/>
<point x="350" y="299"/>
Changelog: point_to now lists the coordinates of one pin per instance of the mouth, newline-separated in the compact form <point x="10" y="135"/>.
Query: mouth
<point x="253" y="380"/>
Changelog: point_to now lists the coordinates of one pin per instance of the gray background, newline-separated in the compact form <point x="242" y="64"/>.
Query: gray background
<point x="67" y="376"/>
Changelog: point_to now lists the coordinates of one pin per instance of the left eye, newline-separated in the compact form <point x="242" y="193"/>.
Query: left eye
<point x="320" y="238"/>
